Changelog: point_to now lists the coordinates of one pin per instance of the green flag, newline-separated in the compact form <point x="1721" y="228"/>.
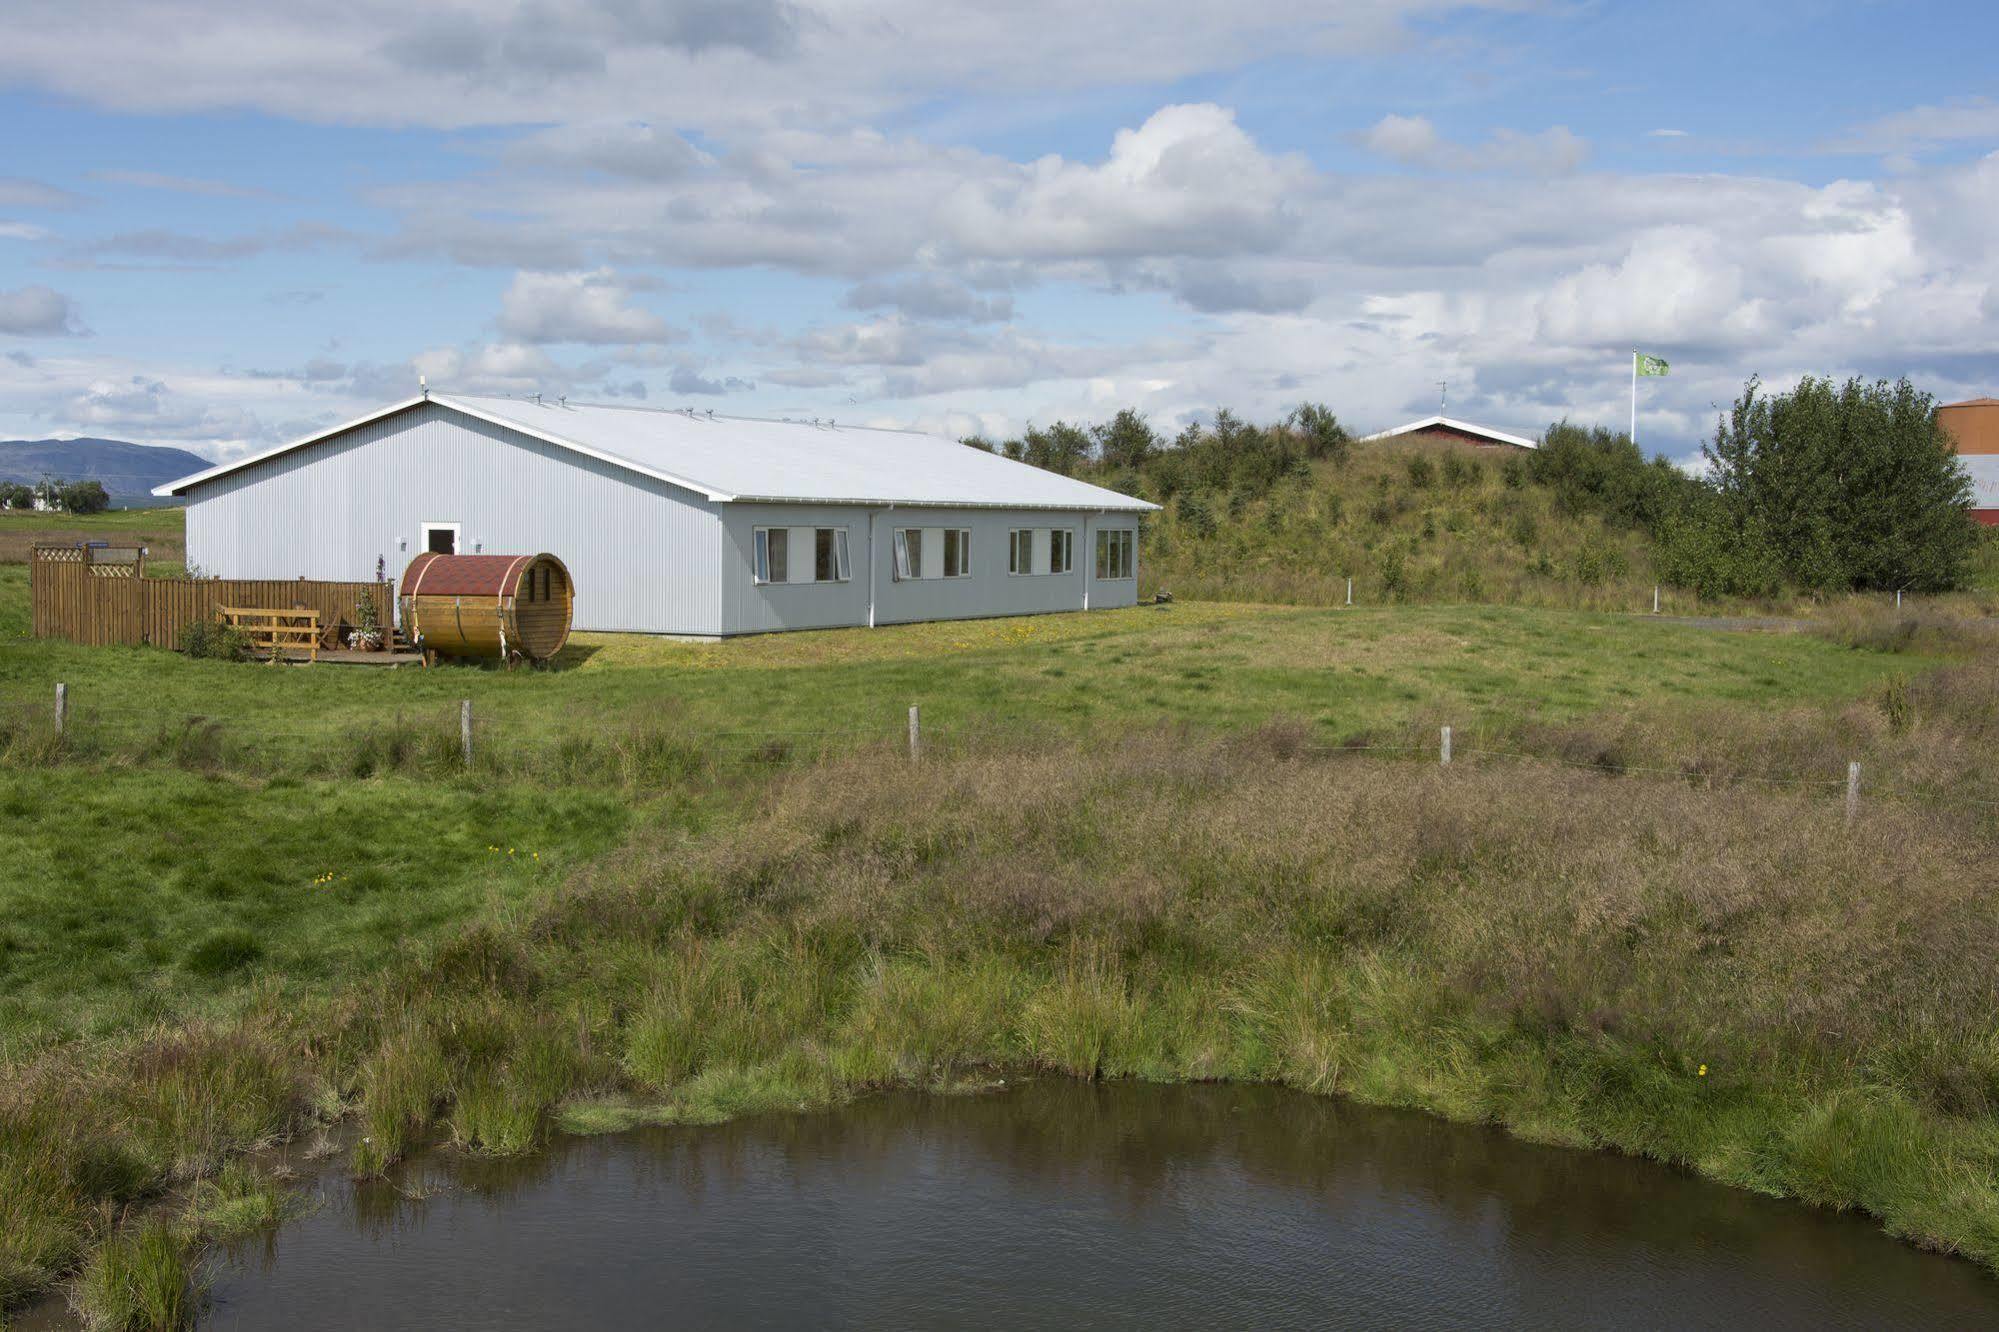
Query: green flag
<point x="1650" y="365"/>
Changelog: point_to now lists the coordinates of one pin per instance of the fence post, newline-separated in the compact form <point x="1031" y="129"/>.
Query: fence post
<point x="1852" y="792"/>
<point x="465" y="730"/>
<point x="1655" y="598"/>
<point x="62" y="708"/>
<point x="1349" y="591"/>
<point x="1444" y="750"/>
<point x="915" y="727"/>
<point x="1898" y="598"/>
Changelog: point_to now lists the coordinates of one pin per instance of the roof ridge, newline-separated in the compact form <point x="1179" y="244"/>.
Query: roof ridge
<point x="691" y="414"/>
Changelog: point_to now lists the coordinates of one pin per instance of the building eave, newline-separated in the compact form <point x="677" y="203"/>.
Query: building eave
<point x="1452" y="423"/>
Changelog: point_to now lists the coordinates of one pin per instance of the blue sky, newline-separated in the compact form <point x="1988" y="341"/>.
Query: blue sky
<point x="221" y="229"/>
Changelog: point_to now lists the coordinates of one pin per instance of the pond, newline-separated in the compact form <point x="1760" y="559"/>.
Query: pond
<point x="1057" y="1203"/>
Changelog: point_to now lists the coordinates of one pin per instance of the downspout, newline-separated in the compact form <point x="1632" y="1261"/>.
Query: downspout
<point x="871" y="565"/>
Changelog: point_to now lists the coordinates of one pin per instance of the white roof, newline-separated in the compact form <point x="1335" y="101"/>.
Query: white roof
<point x="735" y="459"/>
<point x="1483" y="432"/>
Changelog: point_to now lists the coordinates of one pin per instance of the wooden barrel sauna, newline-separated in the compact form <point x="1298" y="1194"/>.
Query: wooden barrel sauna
<point x="506" y="607"/>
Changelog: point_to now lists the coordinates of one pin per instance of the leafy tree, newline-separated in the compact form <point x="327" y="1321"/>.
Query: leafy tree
<point x="979" y="442"/>
<point x="1848" y="485"/>
<point x="84" y="497"/>
<point x="1320" y="430"/>
<point x="14" y="495"/>
<point x="1194" y="514"/>
<point x="1126" y="440"/>
<point x="1595" y="470"/>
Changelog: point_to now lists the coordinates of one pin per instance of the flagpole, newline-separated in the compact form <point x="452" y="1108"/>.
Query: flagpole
<point x="1634" y="395"/>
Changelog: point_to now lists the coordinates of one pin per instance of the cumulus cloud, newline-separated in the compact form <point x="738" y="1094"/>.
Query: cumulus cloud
<point x="689" y="381"/>
<point x="37" y="311"/>
<point x="593" y="307"/>
<point x="1415" y="141"/>
<point x="638" y="151"/>
<point x="762" y="62"/>
<point x="929" y="296"/>
<point x="1189" y="181"/>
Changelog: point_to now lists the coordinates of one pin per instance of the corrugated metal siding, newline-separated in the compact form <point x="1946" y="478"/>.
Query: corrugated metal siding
<point x="645" y="556"/>
<point x="750" y="607"/>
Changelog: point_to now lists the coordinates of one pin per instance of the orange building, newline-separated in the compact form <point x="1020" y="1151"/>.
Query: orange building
<point x="1974" y="427"/>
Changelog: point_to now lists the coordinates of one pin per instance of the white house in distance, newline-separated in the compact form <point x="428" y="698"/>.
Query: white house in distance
<point x="677" y="522"/>
<point x="1444" y="428"/>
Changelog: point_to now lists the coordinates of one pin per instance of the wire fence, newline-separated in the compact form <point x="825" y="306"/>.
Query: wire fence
<point x="444" y="740"/>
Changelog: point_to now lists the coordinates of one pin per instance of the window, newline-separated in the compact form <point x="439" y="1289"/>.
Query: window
<point x="933" y="552"/>
<point x="1040" y="550"/>
<point x="829" y="554"/>
<point x="1114" y="553"/>
<point x="440" y="538"/>
<point x="800" y="554"/>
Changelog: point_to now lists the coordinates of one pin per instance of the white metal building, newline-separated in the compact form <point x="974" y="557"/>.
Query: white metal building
<point x="675" y="521"/>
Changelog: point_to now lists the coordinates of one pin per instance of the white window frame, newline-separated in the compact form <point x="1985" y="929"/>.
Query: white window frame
<point x="1068" y="535"/>
<point x="964" y="553"/>
<point x="760" y="555"/>
<point x="1111" y="543"/>
<point x="457" y="531"/>
<point x="1015" y="556"/>
<point x="907" y="569"/>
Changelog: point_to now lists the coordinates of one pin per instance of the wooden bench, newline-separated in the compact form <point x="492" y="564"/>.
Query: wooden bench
<point x="275" y="630"/>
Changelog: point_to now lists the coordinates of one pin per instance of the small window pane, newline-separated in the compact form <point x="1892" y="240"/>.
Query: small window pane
<point x="780" y="550"/>
<point x="840" y="554"/>
<point x="762" y="558"/>
<point x="825" y="564"/>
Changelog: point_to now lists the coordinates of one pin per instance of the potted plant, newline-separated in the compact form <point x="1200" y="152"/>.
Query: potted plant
<point x="367" y="635"/>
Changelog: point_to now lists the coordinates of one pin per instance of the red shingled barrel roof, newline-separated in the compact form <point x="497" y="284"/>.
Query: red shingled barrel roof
<point x="434" y="575"/>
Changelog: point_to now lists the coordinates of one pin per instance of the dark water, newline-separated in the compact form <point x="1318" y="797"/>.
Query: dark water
<point x="1061" y="1204"/>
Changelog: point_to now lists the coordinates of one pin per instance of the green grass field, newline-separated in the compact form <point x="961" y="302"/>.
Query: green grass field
<point x="244" y="898"/>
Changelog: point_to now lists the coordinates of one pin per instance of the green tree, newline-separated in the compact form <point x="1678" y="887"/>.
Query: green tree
<point x="1850" y="485"/>
<point x="1126" y="440"/>
<point x="1321" y="432"/>
<point x="84" y="497"/>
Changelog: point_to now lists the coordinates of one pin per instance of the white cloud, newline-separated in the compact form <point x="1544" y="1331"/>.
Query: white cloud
<point x="1415" y="141"/>
<point x="22" y="231"/>
<point x="1189" y="181"/>
<point x="38" y="312"/>
<point x="1666" y="134"/>
<point x="1922" y="129"/>
<point x="591" y="307"/>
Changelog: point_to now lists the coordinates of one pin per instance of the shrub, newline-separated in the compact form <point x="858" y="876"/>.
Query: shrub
<point x="1421" y="472"/>
<point x="212" y="638"/>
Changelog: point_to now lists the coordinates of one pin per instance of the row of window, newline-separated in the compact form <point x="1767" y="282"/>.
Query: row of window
<point x="819" y="554"/>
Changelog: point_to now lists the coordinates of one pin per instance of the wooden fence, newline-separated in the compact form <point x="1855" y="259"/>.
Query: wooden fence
<point x="104" y="603"/>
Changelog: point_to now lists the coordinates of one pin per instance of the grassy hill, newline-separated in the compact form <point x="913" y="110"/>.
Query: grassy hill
<point x="1408" y="522"/>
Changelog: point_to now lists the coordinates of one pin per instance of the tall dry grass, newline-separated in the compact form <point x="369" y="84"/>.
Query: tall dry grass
<point x="1730" y="979"/>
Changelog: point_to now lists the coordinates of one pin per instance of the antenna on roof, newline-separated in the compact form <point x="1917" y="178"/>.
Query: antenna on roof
<point x="423" y="386"/>
<point x="1443" y="392"/>
<point x="537" y="397"/>
<point x="711" y="413"/>
<point x="562" y="401"/>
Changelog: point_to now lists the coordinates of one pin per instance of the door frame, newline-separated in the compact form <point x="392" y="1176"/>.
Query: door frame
<point x="457" y="531"/>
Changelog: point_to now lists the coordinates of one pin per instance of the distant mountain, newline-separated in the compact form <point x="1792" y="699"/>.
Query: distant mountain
<point x="128" y="471"/>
